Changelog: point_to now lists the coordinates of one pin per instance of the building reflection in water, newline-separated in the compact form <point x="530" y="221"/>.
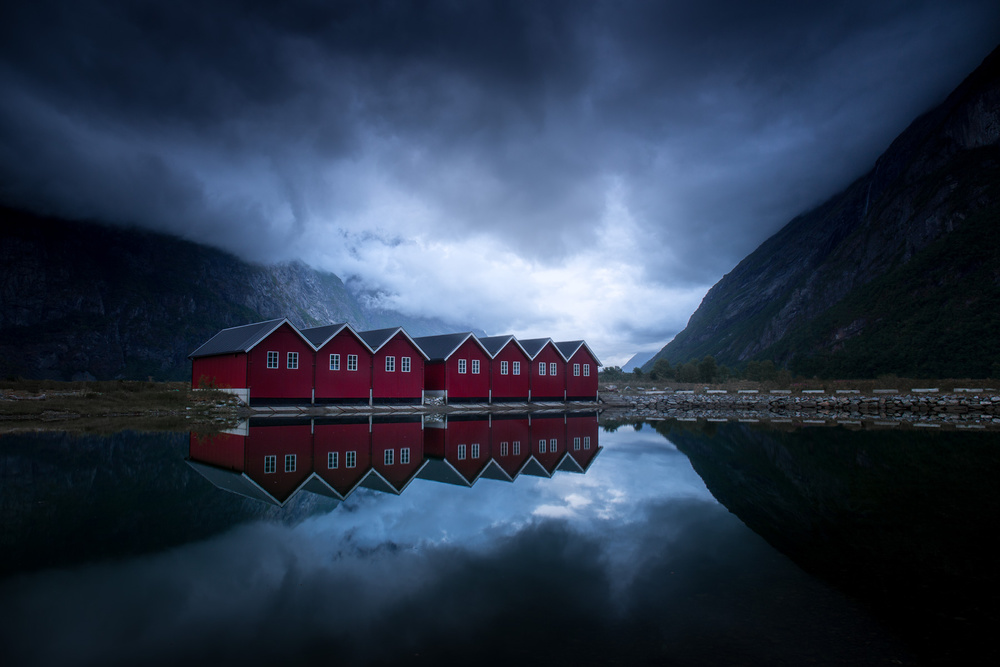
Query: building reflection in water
<point x="273" y="459"/>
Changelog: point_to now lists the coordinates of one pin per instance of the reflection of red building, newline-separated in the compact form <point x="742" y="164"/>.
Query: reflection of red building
<point x="581" y="442"/>
<point x="343" y="365"/>
<point x="397" y="366"/>
<point x="548" y="440"/>
<point x="581" y="370"/>
<point x="458" y="367"/>
<point x="266" y="362"/>
<point x="509" y="379"/>
<point x="342" y="453"/>
<point x="511" y="445"/>
<point x="547" y="370"/>
<point x="398" y="451"/>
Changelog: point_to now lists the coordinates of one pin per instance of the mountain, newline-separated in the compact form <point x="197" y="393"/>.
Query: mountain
<point x="899" y="273"/>
<point x="637" y="360"/>
<point x="83" y="301"/>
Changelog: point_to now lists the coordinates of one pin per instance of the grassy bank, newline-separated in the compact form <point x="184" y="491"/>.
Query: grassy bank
<point x="903" y="385"/>
<point x="111" y="406"/>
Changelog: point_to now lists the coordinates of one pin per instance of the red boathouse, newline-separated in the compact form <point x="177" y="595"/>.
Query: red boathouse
<point x="343" y="365"/>
<point x="397" y="366"/>
<point x="509" y="380"/>
<point x="581" y="370"/>
<point x="458" y="367"/>
<point x="263" y="363"/>
<point x="547" y="370"/>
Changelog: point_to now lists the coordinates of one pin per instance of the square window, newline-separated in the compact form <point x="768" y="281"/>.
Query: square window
<point x="293" y="360"/>
<point x="576" y="370"/>
<point x="541" y="446"/>
<point x="517" y="448"/>
<point x="404" y="364"/>
<point x="475" y="366"/>
<point x="461" y="366"/>
<point x="388" y="457"/>
<point x="503" y="448"/>
<point x="270" y="461"/>
<point x="541" y="368"/>
<point x="334" y="362"/>
<point x="352" y="362"/>
<point x="586" y="442"/>
<point x="272" y="359"/>
<point x="351" y="459"/>
<point x="517" y="368"/>
<point x="586" y="370"/>
<point x="552" y="368"/>
<point x="475" y="450"/>
<point x="503" y="368"/>
<point x="290" y="462"/>
<point x="404" y="455"/>
<point x="332" y="459"/>
<point x="576" y="443"/>
<point x="461" y="452"/>
<point x="390" y="364"/>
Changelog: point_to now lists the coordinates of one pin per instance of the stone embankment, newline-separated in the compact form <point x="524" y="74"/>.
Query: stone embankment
<point x="978" y="406"/>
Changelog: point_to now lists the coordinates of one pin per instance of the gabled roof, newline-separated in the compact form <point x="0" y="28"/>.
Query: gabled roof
<point x="233" y="481"/>
<point x="320" y="336"/>
<point x="495" y="344"/>
<point x="376" y="338"/>
<point x="239" y="339"/>
<point x="568" y="348"/>
<point x="440" y="348"/>
<point x="533" y="346"/>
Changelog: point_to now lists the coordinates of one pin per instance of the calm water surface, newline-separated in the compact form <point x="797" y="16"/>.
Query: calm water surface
<point x="117" y="550"/>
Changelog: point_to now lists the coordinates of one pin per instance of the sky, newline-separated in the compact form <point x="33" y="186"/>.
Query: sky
<point x="573" y="169"/>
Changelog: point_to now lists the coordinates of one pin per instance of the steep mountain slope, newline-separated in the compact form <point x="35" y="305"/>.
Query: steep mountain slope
<point x="898" y="273"/>
<point x="80" y="300"/>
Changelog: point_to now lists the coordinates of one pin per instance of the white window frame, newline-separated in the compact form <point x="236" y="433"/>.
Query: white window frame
<point x="461" y="366"/>
<point x="541" y="445"/>
<point x="503" y="368"/>
<point x="272" y="359"/>
<point x="576" y="443"/>
<point x="334" y="362"/>
<point x="517" y="368"/>
<point x="552" y="369"/>
<point x="586" y="370"/>
<point x="292" y="362"/>
<point x="503" y="448"/>
<point x="404" y="364"/>
<point x="576" y="370"/>
<point x="291" y="461"/>
<point x="553" y="443"/>
<point x="388" y="457"/>
<point x="352" y="362"/>
<point x="270" y="463"/>
<point x="332" y="460"/>
<point x="541" y="367"/>
<point x="586" y="442"/>
<point x="404" y="455"/>
<point x="475" y="366"/>
<point x="461" y="452"/>
<point x="516" y="449"/>
<point x="350" y="459"/>
<point x="390" y="364"/>
<point x="475" y="450"/>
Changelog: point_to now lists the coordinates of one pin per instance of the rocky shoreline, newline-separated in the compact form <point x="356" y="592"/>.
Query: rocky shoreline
<point x="960" y="407"/>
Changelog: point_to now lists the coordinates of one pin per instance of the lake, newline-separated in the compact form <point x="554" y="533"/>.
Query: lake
<point x="688" y="543"/>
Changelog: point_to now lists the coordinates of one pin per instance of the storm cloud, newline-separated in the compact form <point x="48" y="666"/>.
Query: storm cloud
<point x="574" y="169"/>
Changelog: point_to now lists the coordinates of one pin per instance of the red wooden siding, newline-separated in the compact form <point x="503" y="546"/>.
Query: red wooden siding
<point x="224" y="450"/>
<point x="551" y="431"/>
<point x="467" y="446"/>
<point x="343" y="385"/>
<point x="396" y="385"/>
<point x="224" y="370"/>
<point x="516" y="433"/>
<point x="582" y="438"/>
<point x="397" y="437"/>
<point x="280" y="442"/>
<point x="510" y="386"/>
<point x="468" y="385"/>
<point x="581" y="387"/>
<point x="282" y="383"/>
<point x="342" y="440"/>
<point x="548" y="387"/>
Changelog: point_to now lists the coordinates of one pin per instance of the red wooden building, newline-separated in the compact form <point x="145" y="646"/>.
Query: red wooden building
<point x="509" y="379"/>
<point x="547" y="371"/>
<point x="581" y="370"/>
<point x="264" y="363"/>
<point x="343" y="365"/>
<point x="397" y="366"/>
<point x="458" y="367"/>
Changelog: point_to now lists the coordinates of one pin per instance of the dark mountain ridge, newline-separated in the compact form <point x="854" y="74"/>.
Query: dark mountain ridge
<point x="85" y="301"/>
<point x="899" y="273"/>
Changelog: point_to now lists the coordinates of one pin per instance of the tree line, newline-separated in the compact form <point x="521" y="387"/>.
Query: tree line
<point x="704" y="370"/>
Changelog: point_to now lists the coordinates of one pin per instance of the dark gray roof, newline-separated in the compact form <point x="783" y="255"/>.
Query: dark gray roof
<point x="319" y="336"/>
<point x="493" y="344"/>
<point x="568" y="348"/>
<point x="533" y="346"/>
<point x="237" y="339"/>
<point x="376" y="338"/>
<point x="234" y="482"/>
<point x="439" y="348"/>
